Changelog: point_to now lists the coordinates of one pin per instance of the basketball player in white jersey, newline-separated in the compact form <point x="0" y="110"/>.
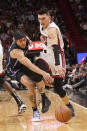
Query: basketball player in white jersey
<point x="53" y="53"/>
<point x="5" y="84"/>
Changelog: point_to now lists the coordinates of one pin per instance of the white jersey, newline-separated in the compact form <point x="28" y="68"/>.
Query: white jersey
<point x="45" y="33"/>
<point x="49" y="56"/>
<point x="1" y="58"/>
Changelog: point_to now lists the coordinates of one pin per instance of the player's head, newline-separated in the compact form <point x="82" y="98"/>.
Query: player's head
<point x="44" y="17"/>
<point x="20" y="39"/>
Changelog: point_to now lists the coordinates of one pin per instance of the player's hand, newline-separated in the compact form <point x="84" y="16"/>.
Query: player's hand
<point x="47" y="78"/>
<point x="59" y="70"/>
<point x="41" y="38"/>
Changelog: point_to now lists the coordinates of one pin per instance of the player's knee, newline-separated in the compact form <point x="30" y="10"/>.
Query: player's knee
<point x="59" y="90"/>
<point x="26" y="81"/>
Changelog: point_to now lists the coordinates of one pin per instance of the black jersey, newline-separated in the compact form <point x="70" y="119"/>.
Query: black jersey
<point x="14" y="64"/>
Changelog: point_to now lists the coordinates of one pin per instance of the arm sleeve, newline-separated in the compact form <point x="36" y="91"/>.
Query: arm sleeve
<point x="56" y="54"/>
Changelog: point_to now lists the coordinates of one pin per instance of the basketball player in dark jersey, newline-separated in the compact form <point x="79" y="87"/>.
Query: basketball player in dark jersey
<point x="29" y="74"/>
<point x="6" y="85"/>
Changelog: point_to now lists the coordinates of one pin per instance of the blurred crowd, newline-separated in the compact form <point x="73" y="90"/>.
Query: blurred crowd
<point x="22" y="15"/>
<point x="76" y="76"/>
<point x="79" y="8"/>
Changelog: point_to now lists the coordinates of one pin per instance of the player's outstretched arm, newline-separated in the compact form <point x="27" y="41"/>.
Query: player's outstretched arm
<point x="53" y="40"/>
<point x="19" y="55"/>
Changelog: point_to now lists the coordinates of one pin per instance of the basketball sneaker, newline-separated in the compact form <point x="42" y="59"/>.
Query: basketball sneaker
<point x="45" y="104"/>
<point x="71" y="107"/>
<point x="21" y="108"/>
<point x="36" y="116"/>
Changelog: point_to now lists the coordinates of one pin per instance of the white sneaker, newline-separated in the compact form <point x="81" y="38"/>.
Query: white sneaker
<point x="36" y="116"/>
<point x="21" y="108"/>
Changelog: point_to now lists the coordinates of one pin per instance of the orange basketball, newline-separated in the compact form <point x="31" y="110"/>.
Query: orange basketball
<point x="63" y="114"/>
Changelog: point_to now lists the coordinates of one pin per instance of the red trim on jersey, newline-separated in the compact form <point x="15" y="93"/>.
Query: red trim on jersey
<point x="57" y="76"/>
<point x="45" y="39"/>
<point x="51" y="21"/>
<point x="1" y="73"/>
<point x="62" y="54"/>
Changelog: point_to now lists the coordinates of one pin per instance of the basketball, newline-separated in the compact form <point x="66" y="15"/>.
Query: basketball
<point x="63" y="114"/>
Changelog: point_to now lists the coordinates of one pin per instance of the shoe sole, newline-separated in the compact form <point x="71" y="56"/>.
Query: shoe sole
<point x="37" y="120"/>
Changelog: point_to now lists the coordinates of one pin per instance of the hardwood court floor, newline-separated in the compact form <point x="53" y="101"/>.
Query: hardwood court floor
<point x="11" y="121"/>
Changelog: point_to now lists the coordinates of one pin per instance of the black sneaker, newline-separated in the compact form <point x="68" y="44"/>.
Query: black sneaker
<point x="45" y="104"/>
<point x="21" y="108"/>
<point x="71" y="107"/>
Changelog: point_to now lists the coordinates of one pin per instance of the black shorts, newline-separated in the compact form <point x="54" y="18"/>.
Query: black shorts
<point x="32" y="75"/>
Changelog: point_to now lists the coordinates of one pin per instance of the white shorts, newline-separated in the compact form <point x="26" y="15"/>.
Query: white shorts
<point x="48" y="56"/>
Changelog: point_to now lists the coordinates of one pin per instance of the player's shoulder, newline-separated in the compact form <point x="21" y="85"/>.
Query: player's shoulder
<point x="52" y="24"/>
<point x="52" y="28"/>
<point x="14" y="48"/>
<point x="16" y="53"/>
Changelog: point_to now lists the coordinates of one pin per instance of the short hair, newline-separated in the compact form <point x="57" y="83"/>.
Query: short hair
<point x="19" y="35"/>
<point x="43" y="11"/>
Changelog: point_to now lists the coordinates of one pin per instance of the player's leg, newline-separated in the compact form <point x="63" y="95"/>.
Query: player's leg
<point x="45" y="101"/>
<point x="27" y="82"/>
<point x="6" y="85"/>
<point x="41" y="86"/>
<point x="62" y="93"/>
